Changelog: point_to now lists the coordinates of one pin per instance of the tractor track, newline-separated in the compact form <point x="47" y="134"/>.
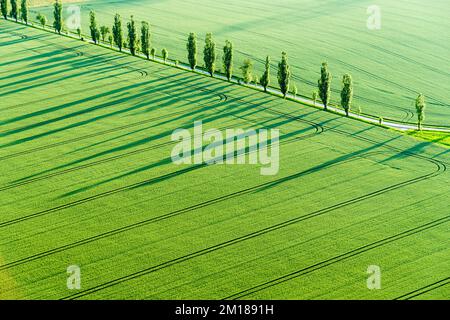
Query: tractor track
<point x="337" y="259"/>
<point x="124" y="188"/>
<point x="78" y="53"/>
<point x="408" y="114"/>
<point x="252" y="235"/>
<point x="223" y="99"/>
<point x="440" y="169"/>
<point x="32" y="150"/>
<point x="425" y="289"/>
<point x="24" y="182"/>
<point x="223" y="198"/>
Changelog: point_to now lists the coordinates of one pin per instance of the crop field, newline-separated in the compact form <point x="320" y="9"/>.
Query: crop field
<point x="87" y="180"/>
<point x="390" y="66"/>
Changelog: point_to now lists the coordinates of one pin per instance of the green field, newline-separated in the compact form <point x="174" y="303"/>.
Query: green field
<point x="436" y="137"/>
<point x="410" y="54"/>
<point x="87" y="180"/>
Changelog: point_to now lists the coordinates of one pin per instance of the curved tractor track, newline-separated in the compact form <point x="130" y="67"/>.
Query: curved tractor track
<point x="440" y="169"/>
<point x="275" y="227"/>
<point x="408" y="114"/>
<point x="79" y="53"/>
<point x="339" y="258"/>
<point x="223" y="99"/>
<point x="120" y="189"/>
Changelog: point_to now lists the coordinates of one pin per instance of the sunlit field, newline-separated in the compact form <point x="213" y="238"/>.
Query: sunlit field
<point x="408" y="55"/>
<point x="87" y="176"/>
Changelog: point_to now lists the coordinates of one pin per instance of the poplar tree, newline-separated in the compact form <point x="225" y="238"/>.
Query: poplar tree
<point x="228" y="59"/>
<point x="153" y="53"/>
<point x="420" y="109"/>
<point x="295" y="91"/>
<point x="324" y="84"/>
<point x="14" y="10"/>
<point x="57" y="14"/>
<point x="265" y="78"/>
<point x="284" y="74"/>
<point x="104" y="31"/>
<point x="24" y="11"/>
<point x="209" y="54"/>
<point x="247" y="71"/>
<point x="4" y="8"/>
<point x="132" y="36"/>
<point x="145" y="39"/>
<point x="347" y="93"/>
<point x="42" y="19"/>
<point x="117" y="32"/>
<point x="314" y="96"/>
<point x="165" y="54"/>
<point x="191" y="47"/>
<point x="95" y="33"/>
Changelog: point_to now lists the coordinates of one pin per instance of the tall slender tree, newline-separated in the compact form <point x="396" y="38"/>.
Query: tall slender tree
<point x="347" y="93"/>
<point x="24" y="11"/>
<point x="132" y="36"/>
<point x="265" y="78"/>
<point x="209" y="54"/>
<point x="314" y="96"/>
<point x="247" y="71"/>
<point x="284" y="74"/>
<point x="93" y="27"/>
<point x="4" y="8"/>
<point x="57" y="15"/>
<point x="104" y="31"/>
<point x="153" y="53"/>
<point x="165" y="54"/>
<point x="118" y="32"/>
<point x="294" y="91"/>
<point x="145" y="39"/>
<point x="324" y="84"/>
<point x="42" y="19"/>
<point x="14" y="10"/>
<point x="228" y="59"/>
<point x="420" y="109"/>
<point x="191" y="47"/>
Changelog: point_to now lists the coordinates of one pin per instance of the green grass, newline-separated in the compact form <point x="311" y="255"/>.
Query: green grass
<point x="87" y="179"/>
<point x="389" y="66"/>
<point x="436" y="137"/>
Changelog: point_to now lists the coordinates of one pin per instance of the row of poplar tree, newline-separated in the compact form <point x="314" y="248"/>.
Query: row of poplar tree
<point x="143" y="44"/>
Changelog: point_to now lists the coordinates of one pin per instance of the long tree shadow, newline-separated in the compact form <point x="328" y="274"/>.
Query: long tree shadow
<point x="82" y="112"/>
<point x="86" y="63"/>
<point x="263" y="187"/>
<point x="53" y="63"/>
<point x="172" y="100"/>
<point x="74" y="104"/>
<point x="271" y="123"/>
<point x="285" y="137"/>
